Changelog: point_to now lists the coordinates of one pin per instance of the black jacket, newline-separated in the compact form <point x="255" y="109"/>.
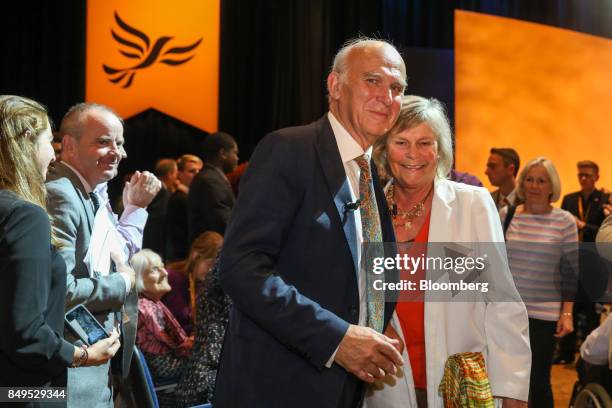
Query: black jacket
<point x="592" y="209"/>
<point x="32" y="295"/>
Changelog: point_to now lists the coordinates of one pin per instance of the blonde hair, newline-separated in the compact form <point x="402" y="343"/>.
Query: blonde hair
<point x="553" y="176"/>
<point x="416" y="110"/>
<point x="22" y="120"/>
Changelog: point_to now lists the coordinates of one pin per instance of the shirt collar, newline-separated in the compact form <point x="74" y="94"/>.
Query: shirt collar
<point x="88" y="188"/>
<point x="349" y="148"/>
<point x="511" y="197"/>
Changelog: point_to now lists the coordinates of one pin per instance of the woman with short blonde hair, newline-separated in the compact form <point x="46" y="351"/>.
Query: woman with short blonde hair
<point x="542" y="241"/>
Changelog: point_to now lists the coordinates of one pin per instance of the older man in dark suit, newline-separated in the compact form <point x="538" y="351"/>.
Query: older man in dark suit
<point x="92" y="147"/>
<point x="306" y="331"/>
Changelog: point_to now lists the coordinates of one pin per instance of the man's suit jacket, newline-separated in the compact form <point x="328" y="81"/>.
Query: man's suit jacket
<point x="177" y="240"/>
<point x="154" y="236"/>
<point x="72" y="211"/>
<point x="289" y="265"/>
<point x="593" y="211"/>
<point x="497" y="199"/>
<point x="210" y="202"/>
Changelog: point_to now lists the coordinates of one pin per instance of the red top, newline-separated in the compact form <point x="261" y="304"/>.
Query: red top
<point x="411" y="312"/>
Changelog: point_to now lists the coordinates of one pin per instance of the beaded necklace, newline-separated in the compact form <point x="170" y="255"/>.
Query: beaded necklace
<point x="401" y="217"/>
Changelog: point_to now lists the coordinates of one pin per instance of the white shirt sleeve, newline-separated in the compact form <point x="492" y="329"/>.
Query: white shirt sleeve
<point x="332" y="358"/>
<point x="596" y="347"/>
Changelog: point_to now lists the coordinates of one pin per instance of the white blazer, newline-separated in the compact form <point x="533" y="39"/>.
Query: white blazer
<point x="500" y="330"/>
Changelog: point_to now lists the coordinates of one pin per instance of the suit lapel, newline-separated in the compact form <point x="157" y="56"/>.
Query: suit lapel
<point x="441" y="211"/>
<point x="335" y="176"/>
<point x="61" y="170"/>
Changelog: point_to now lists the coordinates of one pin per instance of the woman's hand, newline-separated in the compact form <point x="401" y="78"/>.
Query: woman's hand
<point x="103" y="350"/>
<point x="565" y="325"/>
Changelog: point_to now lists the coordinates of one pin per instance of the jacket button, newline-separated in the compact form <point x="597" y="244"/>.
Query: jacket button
<point x="353" y="310"/>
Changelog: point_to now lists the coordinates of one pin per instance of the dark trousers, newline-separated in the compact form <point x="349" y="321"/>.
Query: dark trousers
<point x="541" y="337"/>
<point x="352" y="393"/>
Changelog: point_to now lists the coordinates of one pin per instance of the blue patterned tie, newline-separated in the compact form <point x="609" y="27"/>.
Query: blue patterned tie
<point x="372" y="233"/>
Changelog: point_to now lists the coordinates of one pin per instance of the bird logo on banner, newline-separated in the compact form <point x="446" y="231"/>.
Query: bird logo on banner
<point x="147" y="55"/>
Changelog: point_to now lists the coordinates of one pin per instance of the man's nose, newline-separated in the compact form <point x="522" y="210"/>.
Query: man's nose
<point x="119" y="151"/>
<point x="386" y="96"/>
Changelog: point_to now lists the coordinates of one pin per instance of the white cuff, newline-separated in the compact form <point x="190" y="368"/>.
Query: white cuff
<point x="332" y="358"/>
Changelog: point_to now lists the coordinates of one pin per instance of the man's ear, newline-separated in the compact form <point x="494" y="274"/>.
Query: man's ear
<point x="223" y="153"/>
<point x="511" y="169"/>
<point x="68" y="144"/>
<point x="333" y="85"/>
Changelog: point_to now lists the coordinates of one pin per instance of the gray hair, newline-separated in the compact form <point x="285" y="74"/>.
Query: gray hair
<point x="416" y="110"/>
<point x="553" y="176"/>
<point x="73" y="122"/>
<point x="142" y="262"/>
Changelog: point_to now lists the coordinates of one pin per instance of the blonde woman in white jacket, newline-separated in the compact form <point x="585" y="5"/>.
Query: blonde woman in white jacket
<point x="427" y="208"/>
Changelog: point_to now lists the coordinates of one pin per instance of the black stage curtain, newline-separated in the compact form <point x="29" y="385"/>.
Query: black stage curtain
<point x="152" y="135"/>
<point x="42" y="52"/>
<point x="274" y="54"/>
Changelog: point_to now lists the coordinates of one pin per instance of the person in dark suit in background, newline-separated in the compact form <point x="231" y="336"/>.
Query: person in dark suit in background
<point x="33" y="352"/>
<point x="587" y="206"/>
<point x="502" y="167"/>
<point x="211" y="199"/>
<point x="154" y="235"/>
<point x="177" y="241"/>
<point x="306" y="330"/>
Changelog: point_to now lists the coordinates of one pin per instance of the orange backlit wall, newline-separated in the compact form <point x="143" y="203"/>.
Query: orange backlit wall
<point x="542" y="90"/>
<point x="155" y="54"/>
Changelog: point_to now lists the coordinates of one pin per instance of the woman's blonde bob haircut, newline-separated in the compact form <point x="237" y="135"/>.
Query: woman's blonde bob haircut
<point x="142" y="262"/>
<point x="553" y="176"/>
<point x="416" y="110"/>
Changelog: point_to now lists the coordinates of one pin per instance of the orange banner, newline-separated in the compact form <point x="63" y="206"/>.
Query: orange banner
<point x="155" y="54"/>
<point x="542" y="90"/>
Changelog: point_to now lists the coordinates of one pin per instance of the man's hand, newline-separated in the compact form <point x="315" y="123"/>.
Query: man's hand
<point x="123" y="267"/>
<point x="103" y="350"/>
<point x="513" y="403"/>
<point x="368" y="354"/>
<point x="141" y="189"/>
<point x="182" y="188"/>
<point x="579" y="223"/>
